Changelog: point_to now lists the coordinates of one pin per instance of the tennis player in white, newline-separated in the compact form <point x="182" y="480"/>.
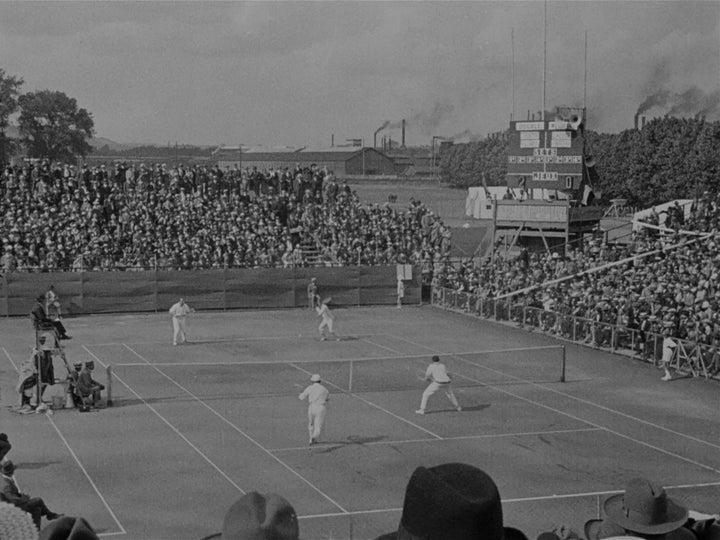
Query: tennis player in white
<point x="317" y="396"/>
<point x="438" y="376"/>
<point x="327" y="320"/>
<point x="179" y="312"/>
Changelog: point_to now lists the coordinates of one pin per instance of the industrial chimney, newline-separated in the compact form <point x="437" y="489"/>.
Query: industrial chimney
<point x="637" y="117"/>
<point x="643" y="121"/>
<point x="403" y="133"/>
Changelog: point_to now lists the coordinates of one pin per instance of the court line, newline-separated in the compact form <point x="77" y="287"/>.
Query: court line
<point x="226" y="340"/>
<point x="372" y="404"/>
<point x="515" y="500"/>
<point x="332" y="360"/>
<point x="169" y="424"/>
<point x="236" y="428"/>
<point x="427" y="439"/>
<point x="608" y="409"/>
<point x="378" y="345"/>
<point x="77" y="460"/>
<point x="564" y="413"/>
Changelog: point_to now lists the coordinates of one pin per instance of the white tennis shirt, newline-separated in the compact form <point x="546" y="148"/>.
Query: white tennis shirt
<point x="437" y="372"/>
<point x="316" y="394"/>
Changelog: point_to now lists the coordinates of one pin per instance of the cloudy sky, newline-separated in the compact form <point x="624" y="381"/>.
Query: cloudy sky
<point x="293" y="73"/>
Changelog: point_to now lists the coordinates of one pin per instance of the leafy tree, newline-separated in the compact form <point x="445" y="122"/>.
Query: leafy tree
<point x="9" y="87"/>
<point x="53" y="127"/>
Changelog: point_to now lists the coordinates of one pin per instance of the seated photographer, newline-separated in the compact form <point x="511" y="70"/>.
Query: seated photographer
<point x="86" y="388"/>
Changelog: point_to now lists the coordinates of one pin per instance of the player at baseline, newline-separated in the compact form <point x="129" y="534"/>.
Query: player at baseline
<point x="327" y="320"/>
<point x="317" y="396"/>
<point x="438" y="376"/>
<point x="179" y="312"/>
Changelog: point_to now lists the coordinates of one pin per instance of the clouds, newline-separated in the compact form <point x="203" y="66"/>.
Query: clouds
<point x="292" y="73"/>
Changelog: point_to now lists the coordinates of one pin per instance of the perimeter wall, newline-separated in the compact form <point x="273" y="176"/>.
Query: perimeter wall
<point x="241" y="288"/>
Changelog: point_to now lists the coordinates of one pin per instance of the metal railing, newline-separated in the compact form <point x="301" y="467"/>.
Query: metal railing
<point x="693" y="357"/>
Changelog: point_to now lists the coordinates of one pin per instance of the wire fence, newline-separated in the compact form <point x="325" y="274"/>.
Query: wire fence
<point x="696" y="358"/>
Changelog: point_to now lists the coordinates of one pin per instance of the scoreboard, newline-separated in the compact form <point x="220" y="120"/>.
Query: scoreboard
<point x="545" y="154"/>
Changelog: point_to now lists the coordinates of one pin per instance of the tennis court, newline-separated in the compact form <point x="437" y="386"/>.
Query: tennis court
<point x="194" y="427"/>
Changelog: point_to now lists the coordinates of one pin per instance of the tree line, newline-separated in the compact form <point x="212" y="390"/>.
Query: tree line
<point x="50" y="123"/>
<point x="669" y="158"/>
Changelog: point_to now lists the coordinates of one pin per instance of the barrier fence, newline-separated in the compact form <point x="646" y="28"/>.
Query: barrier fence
<point x="693" y="357"/>
<point x="157" y="290"/>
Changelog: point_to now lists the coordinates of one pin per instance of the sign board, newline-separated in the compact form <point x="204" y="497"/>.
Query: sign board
<point x="404" y="271"/>
<point x="545" y="155"/>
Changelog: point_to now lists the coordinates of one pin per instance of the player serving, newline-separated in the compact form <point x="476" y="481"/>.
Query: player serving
<point x="326" y="323"/>
<point x="438" y="376"/>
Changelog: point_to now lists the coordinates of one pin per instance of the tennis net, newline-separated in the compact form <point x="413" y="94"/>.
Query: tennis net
<point x="358" y="375"/>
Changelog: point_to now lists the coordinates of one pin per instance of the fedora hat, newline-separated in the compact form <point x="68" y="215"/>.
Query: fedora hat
<point x="453" y="501"/>
<point x="315" y="378"/>
<point x="598" y="529"/>
<point x="259" y="517"/>
<point x="645" y="508"/>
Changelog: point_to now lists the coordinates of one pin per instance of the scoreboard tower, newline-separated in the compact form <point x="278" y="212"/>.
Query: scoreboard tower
<point x="546" y="155"/>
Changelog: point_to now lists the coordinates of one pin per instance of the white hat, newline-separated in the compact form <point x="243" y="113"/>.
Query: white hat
<point x="315" y="378"/>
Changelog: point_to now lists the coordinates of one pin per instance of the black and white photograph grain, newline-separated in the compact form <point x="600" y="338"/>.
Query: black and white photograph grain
<point x="360" y="270"/>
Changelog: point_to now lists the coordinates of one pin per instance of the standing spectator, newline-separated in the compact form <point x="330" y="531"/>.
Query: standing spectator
<point x="400" y="292"/>
<point x="668" y="352"/>
<point x="312" y="293"/>
<point x="34" y="506"/>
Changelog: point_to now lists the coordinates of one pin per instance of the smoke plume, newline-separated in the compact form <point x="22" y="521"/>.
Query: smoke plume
<point x="690" y="102"/>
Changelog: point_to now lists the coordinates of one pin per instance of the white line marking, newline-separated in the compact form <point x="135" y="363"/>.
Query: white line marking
<point x="210" y="341"/>
<point x="458" y="438"/>
<point x="558" y="411"/>
<point x="170" y="425"/>
<point x="240" y="431"/>
<point x="515" y="500"/>
<point x="381" y="346"/>
<point x="372" y="404"/>
<point x="615" y="411"/>
<point x="77" y="460"/>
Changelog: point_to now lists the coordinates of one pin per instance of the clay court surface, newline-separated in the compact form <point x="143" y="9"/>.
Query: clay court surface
<point x="194" y="427"/>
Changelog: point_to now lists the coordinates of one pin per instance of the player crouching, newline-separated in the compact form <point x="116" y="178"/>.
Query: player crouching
<point x="327" y="320"/>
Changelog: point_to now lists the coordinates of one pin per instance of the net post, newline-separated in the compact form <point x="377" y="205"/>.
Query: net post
<point x="350" y="380"/>
<point x="108" y="386"/>
<point x="562" y="373"/>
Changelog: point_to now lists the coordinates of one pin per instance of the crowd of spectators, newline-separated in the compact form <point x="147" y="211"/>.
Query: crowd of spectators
<point x="123" y="217"/>
<point x="669" y="285"/>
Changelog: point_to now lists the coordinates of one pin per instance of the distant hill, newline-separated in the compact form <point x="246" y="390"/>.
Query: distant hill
<point x="101" y="142"/>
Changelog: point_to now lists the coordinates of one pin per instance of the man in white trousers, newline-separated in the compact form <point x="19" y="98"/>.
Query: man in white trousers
<point x="317" y="396"/>
<point x="326" y="323"/>
<point x="438" y="376"/>
<point x="179" y="312"/>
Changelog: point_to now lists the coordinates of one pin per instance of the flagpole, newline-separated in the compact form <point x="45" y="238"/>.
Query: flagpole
<point x="544" y="60"/>
<point x="512" y="69"/>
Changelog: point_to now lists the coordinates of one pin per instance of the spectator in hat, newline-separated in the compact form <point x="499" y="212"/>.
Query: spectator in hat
<point x="453" y="501"/>
<point x="259" y="517"/>
<point x="644" y="510"/>
<point x="34" y="506"/>
<point x="87" y="388"/>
